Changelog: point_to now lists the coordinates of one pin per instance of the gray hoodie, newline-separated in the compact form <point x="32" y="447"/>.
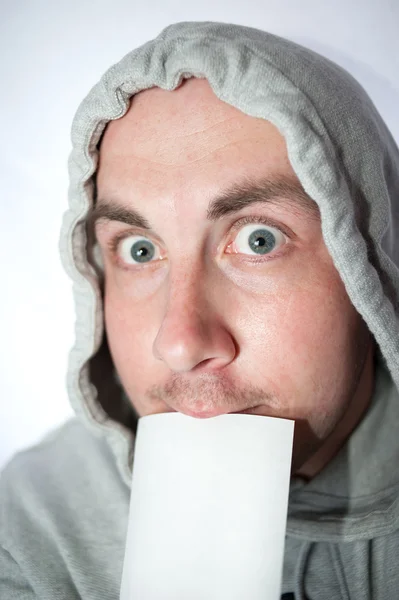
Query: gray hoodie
<point x="64" y="502"/>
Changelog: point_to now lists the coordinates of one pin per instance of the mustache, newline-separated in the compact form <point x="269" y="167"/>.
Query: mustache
<point x="211" y="391"/>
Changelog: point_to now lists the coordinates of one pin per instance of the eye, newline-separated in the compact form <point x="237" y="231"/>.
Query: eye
<point x="254" y="239"/>
<point x="137" y="250"/>
<point x="258" y="239"/>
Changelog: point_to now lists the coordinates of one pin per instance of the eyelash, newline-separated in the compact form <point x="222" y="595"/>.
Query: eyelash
<point x="114" y="242"/>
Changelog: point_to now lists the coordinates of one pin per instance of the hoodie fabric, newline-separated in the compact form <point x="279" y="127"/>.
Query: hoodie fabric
<point x="64" y="502"/>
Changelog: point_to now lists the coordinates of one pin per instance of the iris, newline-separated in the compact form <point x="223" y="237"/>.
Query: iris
<point x="262" y="241"/>
<point x="142" y="251"/>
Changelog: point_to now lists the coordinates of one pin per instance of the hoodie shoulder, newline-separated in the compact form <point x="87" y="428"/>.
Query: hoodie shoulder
<point x="51" y="461"/>
<point x="59" y="500"/>
<point x="64" y="464"/>
<point x="58" y="479"/>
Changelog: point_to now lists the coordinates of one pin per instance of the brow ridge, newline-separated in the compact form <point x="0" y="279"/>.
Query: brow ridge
<point x="281" y="190"/>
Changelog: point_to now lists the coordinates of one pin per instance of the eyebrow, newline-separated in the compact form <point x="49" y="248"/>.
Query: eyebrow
<point x="278" y="191"/>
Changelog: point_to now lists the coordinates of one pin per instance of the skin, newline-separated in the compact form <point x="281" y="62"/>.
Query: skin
<point x="201" y="329"/>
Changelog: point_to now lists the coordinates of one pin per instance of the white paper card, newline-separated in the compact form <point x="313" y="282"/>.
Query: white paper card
<point x="208" y="508"/>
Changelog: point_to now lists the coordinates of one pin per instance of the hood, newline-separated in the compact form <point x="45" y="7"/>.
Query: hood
<point x="346" y="160"/>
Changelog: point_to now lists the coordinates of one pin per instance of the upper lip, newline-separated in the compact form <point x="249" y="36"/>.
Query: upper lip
<point x="246" y="410"/>
<point x="214" y="413"/>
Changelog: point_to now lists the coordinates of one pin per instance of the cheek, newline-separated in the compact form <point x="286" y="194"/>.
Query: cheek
<point x="129" y="312"/>
<point x="295" y="308"/>
<point x="129" y="322"/>
<point x="127" y="286"/>
<point x="130" y="339"/>
<point x="301" y="343"/>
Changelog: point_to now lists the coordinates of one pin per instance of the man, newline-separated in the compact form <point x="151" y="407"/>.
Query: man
<point x="234" y="246"/>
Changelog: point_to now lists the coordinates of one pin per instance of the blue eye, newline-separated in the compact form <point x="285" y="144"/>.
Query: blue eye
<point x="140" y="250"/>
<point x="254" y="239"/>
<point x="260" y="239"/>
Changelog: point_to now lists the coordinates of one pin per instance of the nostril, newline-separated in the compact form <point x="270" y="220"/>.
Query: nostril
<point x="202" y="365"/>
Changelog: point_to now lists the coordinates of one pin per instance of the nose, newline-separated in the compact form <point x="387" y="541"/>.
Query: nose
<point x="192" y="332"/>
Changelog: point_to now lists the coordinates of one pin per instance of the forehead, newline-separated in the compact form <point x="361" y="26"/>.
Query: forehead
<point x="184" y="124"/>
<point x="188" y="143"/>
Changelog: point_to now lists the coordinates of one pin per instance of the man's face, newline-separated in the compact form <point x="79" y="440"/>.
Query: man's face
<point x="208" y="316"/>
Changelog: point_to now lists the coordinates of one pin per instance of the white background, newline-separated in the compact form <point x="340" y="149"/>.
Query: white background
<point x="51" y="53"/>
